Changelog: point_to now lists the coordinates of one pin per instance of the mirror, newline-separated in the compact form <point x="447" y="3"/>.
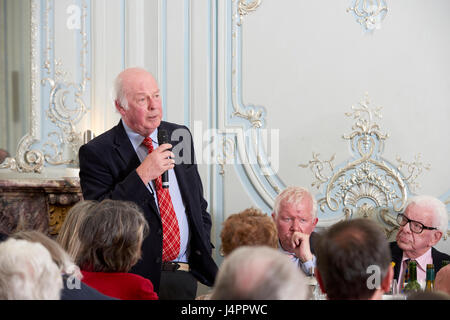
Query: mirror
<point x="15" y="74"/>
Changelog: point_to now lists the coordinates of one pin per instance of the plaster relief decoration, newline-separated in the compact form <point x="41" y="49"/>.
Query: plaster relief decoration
<point x="247" y="121"/>
<point x="226" y="155"/>
<point x="367" y="186"/>
<point x="369" y="13"/>
<point x="64" y="97"/>
<point x="245" y="7"/>
<point x="28" y="159"/>
<point x="66" y="107"/>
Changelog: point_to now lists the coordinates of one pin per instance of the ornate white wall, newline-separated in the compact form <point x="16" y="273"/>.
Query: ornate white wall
<point x="268" y="81"/>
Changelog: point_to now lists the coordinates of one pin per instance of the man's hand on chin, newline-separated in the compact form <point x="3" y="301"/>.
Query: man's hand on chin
<point x="300" y="245"/>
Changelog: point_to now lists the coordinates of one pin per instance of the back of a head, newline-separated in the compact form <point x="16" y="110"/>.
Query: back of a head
<point x="59" y="256"/>
<point x="442" y="280"/>
<point x="68" y="234"/>
<point x="428" y="295"/>
<point x="27" y="272"/>
<point x="344" y="254"/>
<point x="111" y="237"/>
<point x="250" y="227"/>
<point x="259" y="273"/>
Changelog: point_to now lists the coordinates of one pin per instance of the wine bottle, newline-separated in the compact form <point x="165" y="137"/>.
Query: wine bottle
<point x="430" y="278"/>
<point x="413" y="285"/>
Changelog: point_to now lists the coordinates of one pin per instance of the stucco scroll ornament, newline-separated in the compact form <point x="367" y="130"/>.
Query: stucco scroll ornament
<point x="245" y="7"/>
<point x="66" y="106"/>
<point x="414" y="169"/>
<point x="66" y="109"/>
<point x="252" y="114"/>
<point x="369" y="13"/>
<point x="366" y="186"/>
<point x="227" y="154"/>
<point x="28" y="159"/>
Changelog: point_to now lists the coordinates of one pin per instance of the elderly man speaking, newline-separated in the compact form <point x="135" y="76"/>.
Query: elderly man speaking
<point x="126" y="163"/>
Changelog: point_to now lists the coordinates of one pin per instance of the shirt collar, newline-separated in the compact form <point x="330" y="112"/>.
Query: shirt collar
<point x="154" y="136"/>
<point x="284" y="251"/>
<point x="423" y="260"/>
<point x="136" y="139"/>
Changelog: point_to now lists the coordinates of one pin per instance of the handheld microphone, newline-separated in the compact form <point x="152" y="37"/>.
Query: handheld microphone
<point x="163" y="138"/>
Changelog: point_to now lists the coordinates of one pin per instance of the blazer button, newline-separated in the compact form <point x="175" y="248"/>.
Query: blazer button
<point x="158" y="260"/>
<point x="160" y="232"/>
<point x="197" y="252"/>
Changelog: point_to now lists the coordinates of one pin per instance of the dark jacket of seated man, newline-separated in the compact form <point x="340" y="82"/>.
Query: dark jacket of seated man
<point x="397" y="255"/>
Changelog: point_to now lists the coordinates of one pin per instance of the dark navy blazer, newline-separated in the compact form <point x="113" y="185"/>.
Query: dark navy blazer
<point x="108" y="170"/>
<point x="397" y="255"/>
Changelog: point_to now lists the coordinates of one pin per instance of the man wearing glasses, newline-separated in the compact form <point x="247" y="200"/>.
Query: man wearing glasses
<point x="422" y="226"/>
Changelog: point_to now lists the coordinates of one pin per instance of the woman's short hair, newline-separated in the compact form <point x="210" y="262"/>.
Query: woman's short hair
<point x="112" y="236"/>
<point x="68" y="234"/>
<point x="250" y="227"/>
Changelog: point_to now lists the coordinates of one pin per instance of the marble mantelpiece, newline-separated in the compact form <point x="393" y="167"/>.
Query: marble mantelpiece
<point x="36" y="203"/>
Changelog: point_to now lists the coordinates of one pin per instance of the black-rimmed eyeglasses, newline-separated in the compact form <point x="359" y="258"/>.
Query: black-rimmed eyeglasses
<point x="415" y="226"/>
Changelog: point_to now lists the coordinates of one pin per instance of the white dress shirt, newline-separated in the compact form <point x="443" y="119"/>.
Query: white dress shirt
<point x="305" y="266"/>
<point x="174" y="190"/>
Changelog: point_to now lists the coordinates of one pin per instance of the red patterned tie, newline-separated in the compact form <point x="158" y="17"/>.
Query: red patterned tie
<point x="171" y="231"/>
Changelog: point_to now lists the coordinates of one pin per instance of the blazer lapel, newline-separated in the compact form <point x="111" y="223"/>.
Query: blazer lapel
<point x="125" y="149"/>
<point x="397" y="255"/>
<point x="179" y="171"/>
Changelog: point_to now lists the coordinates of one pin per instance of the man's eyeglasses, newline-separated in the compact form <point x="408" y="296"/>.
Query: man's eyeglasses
<point x="415" y="226"/>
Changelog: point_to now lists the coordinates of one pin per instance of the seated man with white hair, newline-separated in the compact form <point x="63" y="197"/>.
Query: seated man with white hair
<point x="27" y="272"/>
<point x="259" y="273"/>
<point x="295" y="216"/>
<point x="422" y="225"/>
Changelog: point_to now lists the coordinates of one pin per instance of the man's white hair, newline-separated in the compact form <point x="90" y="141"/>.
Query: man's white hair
<point x="440" y="218"/>
<point x="259" y="273"/>
<point x="294" y="195"/>
<point x="27" y="272"/>
<point x="119" y="94"/>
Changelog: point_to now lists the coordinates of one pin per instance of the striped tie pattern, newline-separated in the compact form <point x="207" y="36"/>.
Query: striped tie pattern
<point x="171" y="230"/>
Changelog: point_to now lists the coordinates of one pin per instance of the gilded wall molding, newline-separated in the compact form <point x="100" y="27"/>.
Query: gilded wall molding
<point x="247" y="121"/>
<point x="66" y="107"/>
<point x="366" y="176"/>
<point x="26" y="158"/>
<point x="366" y="186"/>
<point x="414" y="170"/>
<point x="245" y="8"/>
<point x="369" y="13"/>
<point x="227" y="154"/>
